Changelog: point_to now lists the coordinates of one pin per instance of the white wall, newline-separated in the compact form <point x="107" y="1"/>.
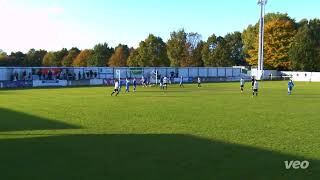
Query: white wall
<point x="296" y="76"/>
<point x="266" y="73"/>
<point x="303" y="76"/>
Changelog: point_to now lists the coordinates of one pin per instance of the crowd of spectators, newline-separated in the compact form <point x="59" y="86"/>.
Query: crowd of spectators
<point x="41" y="74"/>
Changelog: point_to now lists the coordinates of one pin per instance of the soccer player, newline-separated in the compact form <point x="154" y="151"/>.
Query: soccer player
<point x="134" y="85"/>
<point x="255" y="88"/>
<point x="181" y="82"/>
<point x="116" y="88"/>
<point x="199" y="82"/>
<point x="143" y="82"/>
<point x="161" y="83"/>
<point x="252" y="81"/>
<point x="165" y="82"/>
<point x="290" y="87"/>
<point x="242" y="84"/>
<point x="127" y="85"/>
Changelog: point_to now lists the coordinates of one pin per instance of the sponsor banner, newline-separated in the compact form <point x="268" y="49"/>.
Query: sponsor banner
<point x="136" y="72"/>
<point x="96" y="82"/>
<point x="220" y="79"/>
<point x="49" y="83"/>
<point x="108" y="82"/>
<point x="84" y="82"/>
<point x="15" y="84"/>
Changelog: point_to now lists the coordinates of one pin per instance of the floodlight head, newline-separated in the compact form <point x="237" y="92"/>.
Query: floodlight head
<point x="262" y="2"/>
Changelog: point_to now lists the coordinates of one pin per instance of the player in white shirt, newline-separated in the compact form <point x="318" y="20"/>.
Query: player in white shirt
<point x="165" y="82"/>
<point x="255" y="88"/>
<point x="116" y="88"/>
<point x="127" y="85"/>
<point x="199" y="82"/>
<point x="242" y="82"/>
<point x="143" y="82"/>
<point x="181" y="82"/>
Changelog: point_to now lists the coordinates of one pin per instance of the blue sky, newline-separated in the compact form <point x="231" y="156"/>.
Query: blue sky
<point x="54" y="24"/>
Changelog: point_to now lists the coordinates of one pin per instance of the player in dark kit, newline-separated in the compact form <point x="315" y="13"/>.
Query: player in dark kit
<point x="134" y="85"/>
<point x="255" y="88"/>
<point x="252" y="81"/>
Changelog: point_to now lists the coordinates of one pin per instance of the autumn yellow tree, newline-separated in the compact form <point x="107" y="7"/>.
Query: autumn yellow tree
<point x="82" y="59"/>
<point x="134" y="58"/>
<point x="278" y="39"/>
<point x="120" y="56"/>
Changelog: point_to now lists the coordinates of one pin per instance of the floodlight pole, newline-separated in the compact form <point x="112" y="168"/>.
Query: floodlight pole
<point x="262" y="4"/>
<point x="156" y="77"/>
<point x="119" y="77"/>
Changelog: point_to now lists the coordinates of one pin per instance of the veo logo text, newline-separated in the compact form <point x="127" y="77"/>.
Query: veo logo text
<point x="297" y="164"/>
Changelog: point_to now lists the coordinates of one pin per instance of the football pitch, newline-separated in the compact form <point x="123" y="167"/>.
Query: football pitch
<point x="213" y="132"/>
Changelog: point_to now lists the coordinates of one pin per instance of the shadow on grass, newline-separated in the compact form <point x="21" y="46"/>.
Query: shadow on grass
<point x="18" y="121"/>
<point x="151" y="157"/>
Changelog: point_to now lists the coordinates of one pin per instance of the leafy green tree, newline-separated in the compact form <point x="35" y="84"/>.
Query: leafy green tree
<point x="134" y="58"/>
<point x="216" y="52"/>
<point x="2" y="53"/>
<point x="196" y="56"/>
<point x="34" y="58"/>
<point x="208" y="51"/>
<point x="68" y="59"/>
<point x="249" y="38"/>
<point x="49" y="59"/>
<point x="222" y="56"/>
<point x="314" y="25"/>
<point x="60" y="55"/>
<point x="177" y="48"/>
<point x="101" y="55"/>
<point x="153" y="52"/>
<point x="276" y="16"/>
<point x="4" y="59"/>
<point x="92" y="60"/>
<point x="235" y="47"/>
<point x="194" y="47"/>
<point x="54" y="59"/>
<point x="17" y="58"/>
<point x="120" y="56"/>
<point x="75" y="49"/>
<point x="303" y="23"/>
<point x="305" y="51"/>
<point x="184" y="49"/>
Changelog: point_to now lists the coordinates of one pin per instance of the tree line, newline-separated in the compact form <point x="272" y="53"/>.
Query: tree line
<point x="289" y="45"/>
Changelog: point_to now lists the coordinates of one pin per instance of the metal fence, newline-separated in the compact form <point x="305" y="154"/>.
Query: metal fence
<point x="81" y="73"/>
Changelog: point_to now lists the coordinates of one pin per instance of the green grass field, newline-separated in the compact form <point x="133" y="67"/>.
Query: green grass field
<point x="190" y="134"/>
